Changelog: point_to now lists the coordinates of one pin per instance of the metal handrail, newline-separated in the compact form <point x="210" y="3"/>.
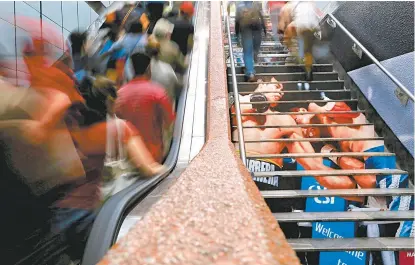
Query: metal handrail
<point x="392" y="77"/>
<point x="242" y="151"/>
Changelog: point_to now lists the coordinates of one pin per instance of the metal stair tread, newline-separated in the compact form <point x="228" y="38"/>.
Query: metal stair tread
<point x="344" y="216"/>
<point x="293" y="73"/>
<point x="337" y="172"/>
<point x="307" y="125"/>
<point x="301" y="113"/>
<point x="351" y="244"/>
<point x="313" y="140"/>
<point x="333" y="154"/>
<point x="283" y="194"/>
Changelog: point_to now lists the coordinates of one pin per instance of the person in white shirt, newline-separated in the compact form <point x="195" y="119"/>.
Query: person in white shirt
<point x="300" y="19"/>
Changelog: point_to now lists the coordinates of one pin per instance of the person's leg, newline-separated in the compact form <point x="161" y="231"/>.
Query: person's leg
<point x="257" y="38"/>
<point x="274" y="23"/>
<point x="308" y="38"/>
<point x="248" y="51"/>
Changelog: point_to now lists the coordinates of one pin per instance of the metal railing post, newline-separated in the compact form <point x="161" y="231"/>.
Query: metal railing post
<point x="235" y="91"/>
<point x="371" y="57"/>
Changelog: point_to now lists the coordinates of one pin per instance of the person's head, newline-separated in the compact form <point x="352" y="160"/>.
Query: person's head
<point x="135" y="27"/>
<point x="141" y="64"/>
<point x="187" y="10"/>
<point x="78" y="41"/>
<point x="155" y="9"/>
<point x="302" y="118"/>
<point x="103" y="95"/>
<point x="163" y="29"/>
<point x="273" y="92"/>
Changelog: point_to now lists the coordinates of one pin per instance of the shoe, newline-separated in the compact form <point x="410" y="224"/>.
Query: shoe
<point x="309" y="76"/>
<point x="251" y="79"/>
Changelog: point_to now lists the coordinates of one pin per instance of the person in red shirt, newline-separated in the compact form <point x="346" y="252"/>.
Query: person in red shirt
<point x="148" y="107"/>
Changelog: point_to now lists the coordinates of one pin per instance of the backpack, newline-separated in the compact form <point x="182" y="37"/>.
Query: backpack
<point x="250" y="16"/>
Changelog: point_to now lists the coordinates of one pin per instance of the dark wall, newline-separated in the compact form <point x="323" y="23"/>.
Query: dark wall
<point x="386" y="29"/>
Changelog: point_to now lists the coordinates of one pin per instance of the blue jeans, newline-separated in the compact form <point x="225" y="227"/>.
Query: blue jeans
<point x="274" y="21"/>
<point x="251" y="42"/>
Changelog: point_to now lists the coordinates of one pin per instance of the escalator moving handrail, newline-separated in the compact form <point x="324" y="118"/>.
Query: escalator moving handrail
<point x="110" y="217"/>
<point x="235" y="92"/>
<point x="371" y="57"/>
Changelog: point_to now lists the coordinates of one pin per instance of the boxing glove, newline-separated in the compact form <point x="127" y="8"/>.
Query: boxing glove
<point x="261" y="108"/>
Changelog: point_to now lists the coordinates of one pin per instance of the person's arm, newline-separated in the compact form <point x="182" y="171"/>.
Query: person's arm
<point x="364" y="181"/>
<point x="141" y="157"/>
<point x="316" y="163"/>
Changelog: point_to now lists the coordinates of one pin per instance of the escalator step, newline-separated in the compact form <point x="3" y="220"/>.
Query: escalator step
<point x="327" y="173"/>
<point x="300" y="76"/>
<point x="350" y="244"/>
<point x="344" y="216"/>
<point x="284" y="194"/>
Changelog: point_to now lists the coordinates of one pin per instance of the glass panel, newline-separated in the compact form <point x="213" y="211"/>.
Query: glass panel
<point x="7" y="11"/>
<point x="84" y="15"/>
<point x="70" y="15"/>
<point x="24" y="10"/>
<point x="52" y="9"/>
<point x="34" y="4"/>
<point x="8" y="45"/>
<point x="56" y="40"/>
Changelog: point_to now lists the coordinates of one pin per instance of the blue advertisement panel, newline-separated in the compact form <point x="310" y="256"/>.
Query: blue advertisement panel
<point x="331" y="230"/>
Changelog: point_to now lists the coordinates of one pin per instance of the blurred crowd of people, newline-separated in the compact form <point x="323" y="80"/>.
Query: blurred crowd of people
<point x="119" y="88"/>
<point x="293" y="24"/>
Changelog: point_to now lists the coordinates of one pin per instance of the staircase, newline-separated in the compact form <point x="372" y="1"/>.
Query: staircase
<point x="305" y="220"/>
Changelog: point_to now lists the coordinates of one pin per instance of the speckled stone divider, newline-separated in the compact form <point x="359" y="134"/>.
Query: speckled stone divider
<point x="213" y="214"/>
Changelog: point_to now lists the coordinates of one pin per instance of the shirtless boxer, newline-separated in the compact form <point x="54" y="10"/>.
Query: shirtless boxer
<point x="299" y="18"/>
<point x="275" y="164"/>
<point x="382" y="181"/>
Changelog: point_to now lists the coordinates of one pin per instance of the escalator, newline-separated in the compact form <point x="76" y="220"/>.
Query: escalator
<point x="119" y="209"/>
<point x="321" y="226"/>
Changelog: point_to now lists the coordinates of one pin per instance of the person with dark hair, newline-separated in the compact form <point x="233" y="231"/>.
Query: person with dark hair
<point x="183" y="28"/>
<point x="76" y="45"/>
<point x="120" y="51"/>
<point x="155" y="12"/>
<point x="147" y="106"/>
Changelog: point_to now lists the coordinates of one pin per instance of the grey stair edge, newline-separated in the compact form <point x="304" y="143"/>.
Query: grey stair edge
<point x="302" y="113"/>
<point x="283" y="194"/>
<point x="351" y="244"/>
<point x="300" y="101"/>
<point x="296" y="65"/>
<point x="306" y="125"/>
<point x="344" y="216"/>
<point x="337" y="172"/>
<point x="293" y="73"/>
<point x="314" y="140"/>
<point x="333" y="154"/>
<point x="289" y="82"/>
<point x="300" y="91"/>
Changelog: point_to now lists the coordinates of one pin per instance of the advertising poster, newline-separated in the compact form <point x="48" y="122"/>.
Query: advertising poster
<point x="270" y="125"/>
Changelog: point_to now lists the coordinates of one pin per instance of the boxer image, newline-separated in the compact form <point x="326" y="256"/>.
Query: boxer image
<point x="263" y="148"/>
<point x="394" y="203"/>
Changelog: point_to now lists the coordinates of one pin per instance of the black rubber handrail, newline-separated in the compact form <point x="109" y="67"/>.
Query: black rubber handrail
<point x="110" y="217"/>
